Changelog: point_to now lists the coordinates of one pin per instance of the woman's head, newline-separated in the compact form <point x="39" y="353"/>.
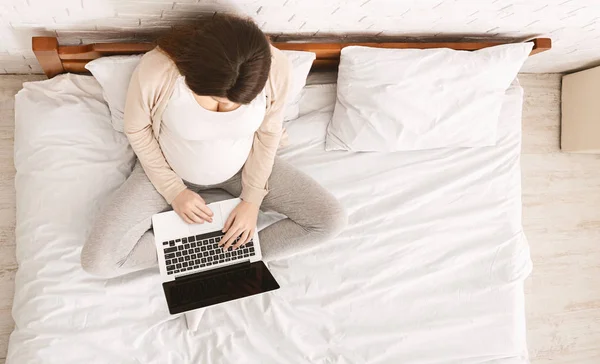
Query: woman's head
<point x="221" y="56"/>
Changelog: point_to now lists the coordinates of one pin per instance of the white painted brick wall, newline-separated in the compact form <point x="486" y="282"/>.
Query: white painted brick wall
<point x="574" y="25"/>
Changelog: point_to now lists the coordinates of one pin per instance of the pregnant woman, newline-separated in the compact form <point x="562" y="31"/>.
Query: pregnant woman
<point x="204" y="111"/>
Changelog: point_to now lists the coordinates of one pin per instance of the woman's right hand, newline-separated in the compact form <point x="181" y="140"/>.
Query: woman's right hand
<point x="191" y="207"/>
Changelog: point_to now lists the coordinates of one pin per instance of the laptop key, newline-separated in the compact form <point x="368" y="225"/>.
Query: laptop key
<point x="170" y="267"/>
<point x="193" y="245"/>
<point x="172" y="243"/>
<point x="178" y="265"/>
<point x="177" y="240"/>
<point x="170" y="250"/>
<point x="246" y="255"/>
<point x="184" y="264"/>
<point x="212" y="252"/>
<point x="222" y="256"/>
<point x="205" y="254"/>
<point x="194" y="256"/>
<point x="180" y="247"/>
<point x="187" y="257"/>
<point x="191" y="238"/>
<point x="178" y="254"/>
<point x="197" y="261"/>
<point x="186" y="246"/>
<point x="184" y="240"/>
<point x="170" y="256"/>
<point x="218" y="239"/>
<point x="198" y="237"/>
<point x="202" y="265"/>
<point x="215" y="246"/>
<point x="203" y="248"/>
<point x="227" y="255"/>
<point x="227" y="259"/>
<point x="168" y="262"/>
<point x="211" y="240"/>
<point x="222" y="261"/>
<point x="203" y="260"/>
<point x="252" y="250"/>
<point x="210" y="258"/>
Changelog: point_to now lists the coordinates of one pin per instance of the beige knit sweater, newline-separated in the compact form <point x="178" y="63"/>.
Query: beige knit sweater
<point x="149" y="92"/>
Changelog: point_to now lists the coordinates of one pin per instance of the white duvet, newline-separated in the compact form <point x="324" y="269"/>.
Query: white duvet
<point x="429" y="270"/>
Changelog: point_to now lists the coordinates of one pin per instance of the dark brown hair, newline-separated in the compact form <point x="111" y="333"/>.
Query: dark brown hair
<point x="221" y="55"/>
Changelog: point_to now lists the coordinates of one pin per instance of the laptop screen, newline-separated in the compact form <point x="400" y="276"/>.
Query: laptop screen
<point x="218" y="286"/>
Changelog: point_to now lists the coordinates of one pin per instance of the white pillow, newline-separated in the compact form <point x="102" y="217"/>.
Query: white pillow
<point x="114" y="72"/>
<point x="411" y="99"/>
<point x="301" y="64"/>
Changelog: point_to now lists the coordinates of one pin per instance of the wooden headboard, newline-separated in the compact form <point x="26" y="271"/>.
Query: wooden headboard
<point x="56" y="59"/>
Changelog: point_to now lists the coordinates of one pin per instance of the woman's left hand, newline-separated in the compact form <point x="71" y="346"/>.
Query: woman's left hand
<point x="240" y="223"/>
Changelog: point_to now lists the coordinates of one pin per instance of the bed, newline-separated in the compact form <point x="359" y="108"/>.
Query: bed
<point x="429" y="270"/>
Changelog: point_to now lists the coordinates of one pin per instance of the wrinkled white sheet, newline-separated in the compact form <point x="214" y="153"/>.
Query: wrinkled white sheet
<point x="429" y="270"/>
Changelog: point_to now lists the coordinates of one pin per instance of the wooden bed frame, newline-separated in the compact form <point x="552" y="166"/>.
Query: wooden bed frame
<point x="56" y="59"/>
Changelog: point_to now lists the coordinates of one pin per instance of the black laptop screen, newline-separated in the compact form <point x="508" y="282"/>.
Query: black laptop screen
<point x="217" y="286"/>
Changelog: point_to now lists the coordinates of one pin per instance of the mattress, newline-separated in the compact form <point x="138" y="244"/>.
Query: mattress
<point x="429" y="270"/>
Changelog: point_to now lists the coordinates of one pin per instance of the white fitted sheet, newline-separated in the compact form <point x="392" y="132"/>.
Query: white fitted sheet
<point x="429" y="270"/>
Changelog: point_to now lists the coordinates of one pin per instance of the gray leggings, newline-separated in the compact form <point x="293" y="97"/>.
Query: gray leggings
<point x="122" y="241"/>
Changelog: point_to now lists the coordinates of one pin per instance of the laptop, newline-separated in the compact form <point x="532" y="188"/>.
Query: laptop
<point x="196" y="271"/>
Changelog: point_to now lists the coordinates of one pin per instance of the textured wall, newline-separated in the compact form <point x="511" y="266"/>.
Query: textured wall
<point x="574" y="25"/>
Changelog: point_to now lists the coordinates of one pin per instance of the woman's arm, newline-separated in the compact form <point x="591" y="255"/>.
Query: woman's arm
<point x="258" y="166"/>
<point x="257" y="169"/>
<point x="145" y="88"/>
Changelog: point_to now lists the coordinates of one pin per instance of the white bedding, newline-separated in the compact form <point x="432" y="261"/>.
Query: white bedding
<point x="429" y="270"/>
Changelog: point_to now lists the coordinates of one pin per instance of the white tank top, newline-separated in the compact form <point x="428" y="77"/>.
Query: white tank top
<point x="207" y="147"/>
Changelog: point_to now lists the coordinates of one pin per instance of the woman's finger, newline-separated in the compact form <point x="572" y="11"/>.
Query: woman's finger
<point x="185" y="218"/>
<point x="189" y="212"/>
<point x="193" y="218"/>
<point x="236" y="232"/>
<point x="250" y="236"/>
<point x="202" y="206"/>
<point x="199" y="202"/>
<point x="228" y="222"/>
<point x="229" y="230"/>
<point x="242" y="239"/>
<point x="196" y="211"/>
<point x="182" y="216"/>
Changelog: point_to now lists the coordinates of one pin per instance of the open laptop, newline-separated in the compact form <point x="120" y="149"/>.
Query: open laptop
<point x="196" y="271"/>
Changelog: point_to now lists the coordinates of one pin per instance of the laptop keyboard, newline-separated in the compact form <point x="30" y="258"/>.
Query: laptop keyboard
<point x="199" y="251"/>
